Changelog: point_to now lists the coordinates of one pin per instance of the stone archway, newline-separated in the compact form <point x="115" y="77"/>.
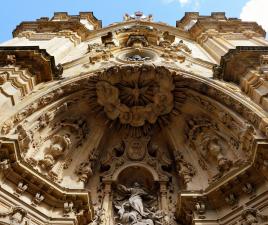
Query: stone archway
<point x="189" y="132"/>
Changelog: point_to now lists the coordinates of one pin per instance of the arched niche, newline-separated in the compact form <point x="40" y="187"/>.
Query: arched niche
<point x="135" y="172"/>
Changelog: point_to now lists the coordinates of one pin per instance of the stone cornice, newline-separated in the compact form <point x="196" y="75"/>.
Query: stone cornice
<point x="235" y="63"/>
<point x="218" y="22"/>
<point x="224" y="26"/>
<point x="61" y="21"/>
<point x="18" y="170"/>
<point x="52" y="26"/>
<point x="36" y="60"/>
<point x="233" y="185"/>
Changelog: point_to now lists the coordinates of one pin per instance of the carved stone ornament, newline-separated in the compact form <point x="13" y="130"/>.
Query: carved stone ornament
<point x="134" y="98"/>
<point x="57" y="148"/>
<point x="137" y="41"/>
<point x="136" y="148"/>
<point x="10" y="59"/>
<point x="67" y="208"/>
<point x="16" y="215"/>
<point x="166" y="40"/>
<point x="253" y="216"/>
<point x="185" y="169"/>
<point x="133" y="210"/>
<point x="3" y="78"/>
<point x="98" y="216"/>
<point x="138" y="16"/>
<point x="137" y="58"/>
<point x="181" y="46"/>
<point x="24" y="138"/>
<point x="204" y="138"/>
<point x="85" y="169"/>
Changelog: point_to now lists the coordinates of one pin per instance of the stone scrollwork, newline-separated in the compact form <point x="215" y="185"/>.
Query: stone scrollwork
<point x="98" y="52"/>
<point x="137" y="41"/>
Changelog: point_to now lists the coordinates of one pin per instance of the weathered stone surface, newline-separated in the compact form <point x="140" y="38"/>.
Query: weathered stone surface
<point x="138" y="123"/>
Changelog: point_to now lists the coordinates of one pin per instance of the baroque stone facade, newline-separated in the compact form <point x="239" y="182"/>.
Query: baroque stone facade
<point x="137" y="123"/>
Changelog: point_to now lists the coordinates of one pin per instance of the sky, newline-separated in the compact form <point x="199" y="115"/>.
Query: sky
<point x="109" y="11"/>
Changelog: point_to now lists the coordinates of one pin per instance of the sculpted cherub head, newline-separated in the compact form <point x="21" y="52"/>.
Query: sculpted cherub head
<point x="214" y="148"/>
<point x="59" y="144"/>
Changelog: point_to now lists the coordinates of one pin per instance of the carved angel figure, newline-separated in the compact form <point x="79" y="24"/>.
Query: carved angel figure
<point x="99" y="212"/>
<point x="57" y="148"/>
<point x="215" y="150"/>
<point x="184" y="168"/>
<point x="84" y="171"/>
<point x="135" y="199"/>
<point x="16" y="215"/>
<point x="132" y="211"/>
<point x="253" y="216"/>
<point x="24" y="138"/>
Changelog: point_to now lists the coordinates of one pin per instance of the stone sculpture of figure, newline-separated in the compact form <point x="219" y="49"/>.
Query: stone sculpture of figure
<point x="214" y="149"/>
<point x="135" y="199"/>
<point x="57" y="148"/>
<point x="84" y="171"/>
<point x="24" y="138"/>
<point x="99" y="212"/>
<point x="126" y="17"/>
<point x="182" y="46"/>
<point x="184" y="168"/>
<point x="16" y="215"/>
<point x="253" y="216"/>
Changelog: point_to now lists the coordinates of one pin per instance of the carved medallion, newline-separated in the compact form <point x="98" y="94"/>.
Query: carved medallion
<point x="136" y="148"/>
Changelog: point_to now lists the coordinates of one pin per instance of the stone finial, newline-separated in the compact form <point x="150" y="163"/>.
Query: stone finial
<point x="138" y="16"/>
